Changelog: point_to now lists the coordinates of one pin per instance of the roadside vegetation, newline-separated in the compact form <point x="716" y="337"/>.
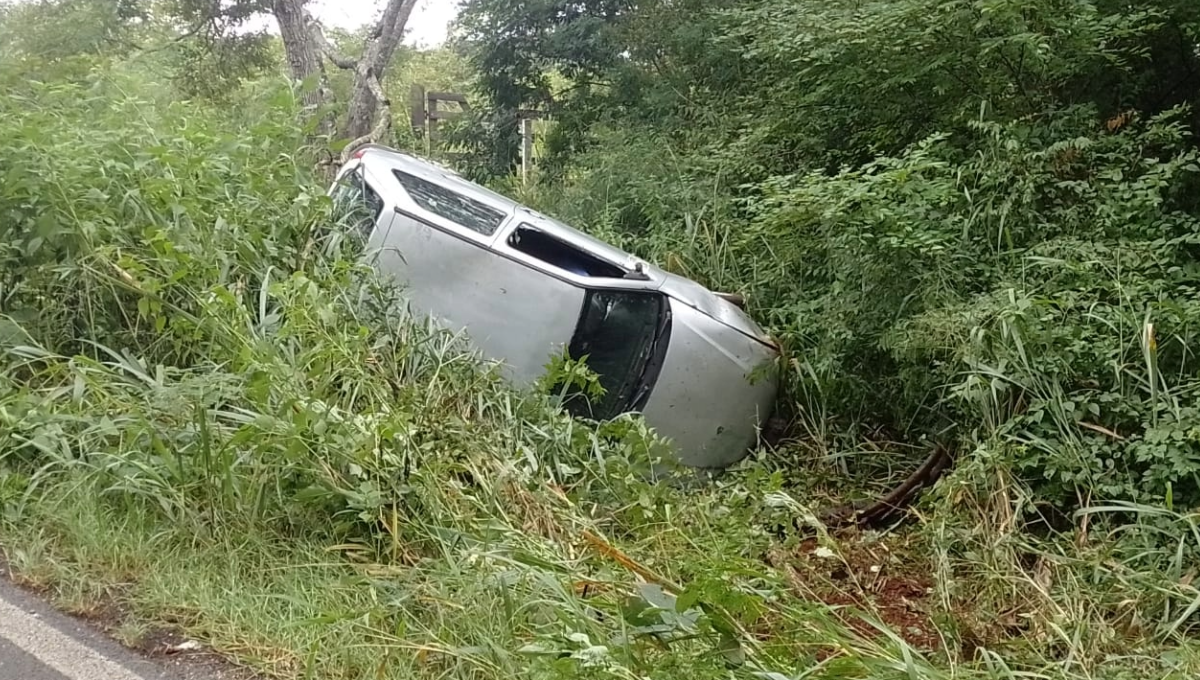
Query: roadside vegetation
<point x="971" y="224"/>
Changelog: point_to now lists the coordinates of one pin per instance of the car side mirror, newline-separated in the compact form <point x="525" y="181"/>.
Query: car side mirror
<point x="638" y="273"/>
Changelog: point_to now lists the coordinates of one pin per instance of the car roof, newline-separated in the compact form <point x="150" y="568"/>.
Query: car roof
<point x="442" y="174"/>
<point x="446" y="176"/>
<point x="683" y="289"/>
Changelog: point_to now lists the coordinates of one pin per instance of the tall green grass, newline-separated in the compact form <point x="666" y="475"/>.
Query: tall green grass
<point x="213" y="416"/>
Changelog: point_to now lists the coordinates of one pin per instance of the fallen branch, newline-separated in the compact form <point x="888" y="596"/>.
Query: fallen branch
<point x="872" y="513"/>
<point x="609" y="550"/>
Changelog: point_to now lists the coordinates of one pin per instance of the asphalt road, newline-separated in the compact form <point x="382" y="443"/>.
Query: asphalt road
<point x="16" y="663"/>
<point x="39" y="643"/>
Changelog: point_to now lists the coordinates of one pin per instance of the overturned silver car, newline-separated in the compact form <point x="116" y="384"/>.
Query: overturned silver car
<point x="524" y="288"/>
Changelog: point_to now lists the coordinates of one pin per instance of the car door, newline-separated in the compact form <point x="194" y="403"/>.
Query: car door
<point x="624" y="324"/>
<point x="622" y="337"/>
<point x="436" y="246"/>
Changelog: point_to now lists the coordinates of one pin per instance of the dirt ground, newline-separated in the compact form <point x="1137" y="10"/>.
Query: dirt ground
<point x="861" y="576"/>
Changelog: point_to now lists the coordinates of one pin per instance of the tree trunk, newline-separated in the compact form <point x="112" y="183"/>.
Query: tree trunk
<point x="381" y="47"/>
<point x="303" y="55"/>
<point x="306" y="49"/>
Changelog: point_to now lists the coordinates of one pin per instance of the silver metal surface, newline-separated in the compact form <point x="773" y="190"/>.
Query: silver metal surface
<point x="709" y="398"/>
<point x="508" y="310"/>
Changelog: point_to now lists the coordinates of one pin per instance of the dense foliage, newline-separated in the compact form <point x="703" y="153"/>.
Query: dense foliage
<point x="968" y="221"/>
<point x="967" y="216"/>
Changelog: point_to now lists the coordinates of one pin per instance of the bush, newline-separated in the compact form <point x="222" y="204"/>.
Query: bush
<point x="1040" y="287"/>
<point x="172" y="275"/>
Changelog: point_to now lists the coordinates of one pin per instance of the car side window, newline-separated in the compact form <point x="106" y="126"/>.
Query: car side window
<point x="530" y="240"/>
<point x="467" y="212"/>
<point x="357" y="206"/>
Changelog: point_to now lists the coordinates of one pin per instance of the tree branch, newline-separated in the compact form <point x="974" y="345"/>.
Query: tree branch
<point x="389" y="31"/>
<point x="339" y="60"/>
<point x="377" y="89"/>
<point x="378" y="51"/>
<point x="206" y="21"/>
<point x="384" y="111"/>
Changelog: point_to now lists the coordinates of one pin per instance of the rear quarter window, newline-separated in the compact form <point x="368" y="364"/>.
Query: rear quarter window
<point x="462" y="210"/>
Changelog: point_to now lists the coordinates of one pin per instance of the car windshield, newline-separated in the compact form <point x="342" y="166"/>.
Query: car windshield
<point x="356" y="205"/>
<point x="618" y="337"/>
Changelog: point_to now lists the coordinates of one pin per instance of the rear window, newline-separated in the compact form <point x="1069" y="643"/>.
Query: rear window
<point x="467" y="212"/>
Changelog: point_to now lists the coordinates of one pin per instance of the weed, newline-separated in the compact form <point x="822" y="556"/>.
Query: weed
<point x="214" y="418"/>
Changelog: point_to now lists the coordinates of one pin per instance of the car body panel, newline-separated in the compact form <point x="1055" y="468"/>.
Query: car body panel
<point x="715" y="386"/>
<point x="706" y="302"/>
<point x="484" y="295"/>
<point x="709" y="390"/>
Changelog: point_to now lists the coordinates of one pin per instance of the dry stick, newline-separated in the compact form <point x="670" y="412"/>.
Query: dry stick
<point x="609" y="550"/>
<point x="865" y="514"/>
<point x="902" y="495"/>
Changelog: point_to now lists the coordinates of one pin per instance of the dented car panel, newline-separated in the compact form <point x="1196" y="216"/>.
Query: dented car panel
<point x="525" y="287"/>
